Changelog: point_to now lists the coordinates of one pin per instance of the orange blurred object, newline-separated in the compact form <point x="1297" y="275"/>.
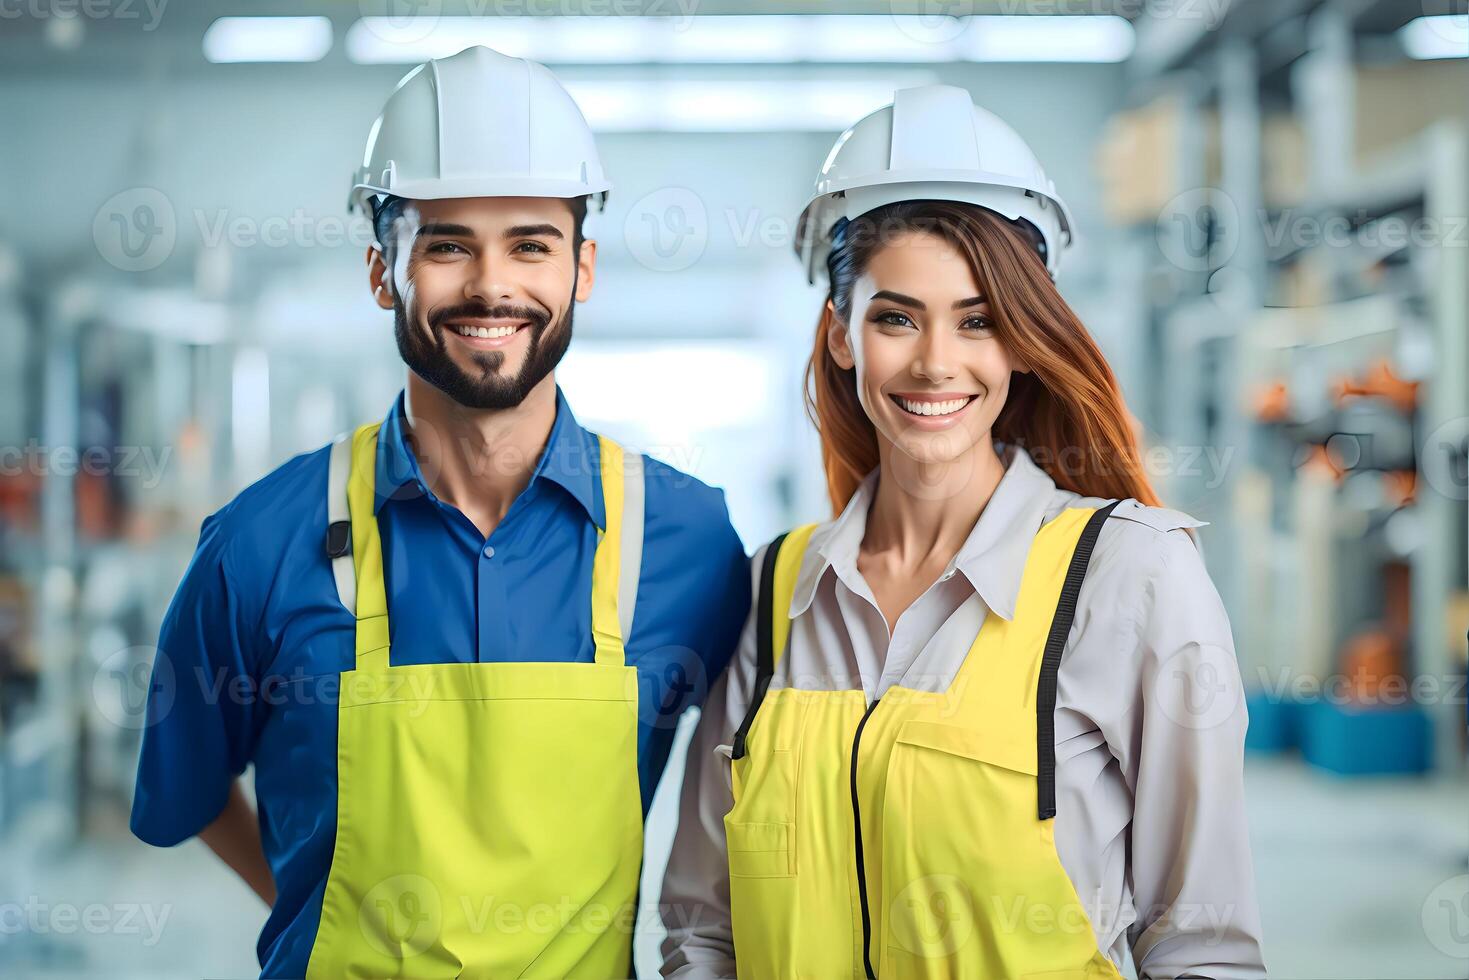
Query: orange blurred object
<point x="1370" y="659"/>
<point x="1379" y="381"/>
<point x="1271" y="402"/>
<point x="1401" y="486"/>
<point x="1320" y="458"/>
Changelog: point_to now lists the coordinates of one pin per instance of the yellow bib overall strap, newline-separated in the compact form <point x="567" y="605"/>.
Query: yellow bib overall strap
<point x="489" y="820"/>
<point x="912" y="837"/>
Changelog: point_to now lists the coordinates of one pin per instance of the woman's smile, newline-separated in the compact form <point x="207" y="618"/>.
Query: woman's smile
<point x="933" y="410"/>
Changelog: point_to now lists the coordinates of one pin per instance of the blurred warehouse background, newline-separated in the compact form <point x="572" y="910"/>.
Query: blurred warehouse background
<point x="1273" y="201"/>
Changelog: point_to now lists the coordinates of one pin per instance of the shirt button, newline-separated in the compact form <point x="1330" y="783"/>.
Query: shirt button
<point x="489" y="551"/>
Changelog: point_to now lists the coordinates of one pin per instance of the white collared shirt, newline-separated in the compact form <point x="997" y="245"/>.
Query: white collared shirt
<point x="1150" y="723"/>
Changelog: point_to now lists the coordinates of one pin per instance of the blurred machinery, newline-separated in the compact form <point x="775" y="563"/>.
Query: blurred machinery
<point x="1295" y="186"/>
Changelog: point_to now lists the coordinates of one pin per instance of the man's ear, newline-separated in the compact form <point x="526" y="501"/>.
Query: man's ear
<point x="586" y="269"/>
<point x="839" y="340"/>
<point x="379" y="277"/>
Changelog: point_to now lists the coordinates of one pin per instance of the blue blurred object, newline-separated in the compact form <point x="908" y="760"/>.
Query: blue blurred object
<point x="1356" y="740"/>
<point x="1275" y="724"/>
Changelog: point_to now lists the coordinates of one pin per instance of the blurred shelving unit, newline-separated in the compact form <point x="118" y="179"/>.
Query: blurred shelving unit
<point x="1294" y="191"/>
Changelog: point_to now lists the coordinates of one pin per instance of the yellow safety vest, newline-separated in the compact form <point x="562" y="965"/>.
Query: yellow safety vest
<point x="489" y="822"/>
<point x="913" y="836"/>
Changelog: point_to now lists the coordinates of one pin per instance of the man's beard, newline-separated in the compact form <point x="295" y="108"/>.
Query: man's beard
<point x="429" y="358"/>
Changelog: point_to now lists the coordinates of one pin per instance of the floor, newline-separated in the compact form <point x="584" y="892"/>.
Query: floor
<point x="1357" y="879"/>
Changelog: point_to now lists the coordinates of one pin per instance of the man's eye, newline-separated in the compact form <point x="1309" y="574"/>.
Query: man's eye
<point x="533" y="247"/>
<point x="446" y="247"/>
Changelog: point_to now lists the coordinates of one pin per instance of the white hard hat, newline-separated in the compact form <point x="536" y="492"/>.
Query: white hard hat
<point x="932" y="143"/>
<point x="479" y="124"/>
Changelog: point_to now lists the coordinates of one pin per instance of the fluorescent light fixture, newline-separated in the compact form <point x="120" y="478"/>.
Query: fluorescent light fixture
<point x="731" y="106"/>
<point x="1436" y="36"/>
<point x="747" y="39"/>
<point x="238" y="39"/>
<point x="1055" y="38"/>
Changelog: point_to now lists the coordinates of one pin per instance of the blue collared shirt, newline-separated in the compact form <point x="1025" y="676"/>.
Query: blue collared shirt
<point x="255" y="638"/>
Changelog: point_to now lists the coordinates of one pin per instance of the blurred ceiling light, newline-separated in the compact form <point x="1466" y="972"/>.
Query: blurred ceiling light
<point x="747" y="39"/>
<point x="1050" y="38"/>
<point x="1436" y="36"/>
<point x="724" y="106"/>
<point x="240" y="39"/>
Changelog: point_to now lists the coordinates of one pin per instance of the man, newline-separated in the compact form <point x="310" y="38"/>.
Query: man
<point x="452" y="645"/>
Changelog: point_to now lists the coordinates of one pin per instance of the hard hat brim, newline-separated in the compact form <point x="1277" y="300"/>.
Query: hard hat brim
<point x="440" y="190"/>
<point x="855" y="198"/>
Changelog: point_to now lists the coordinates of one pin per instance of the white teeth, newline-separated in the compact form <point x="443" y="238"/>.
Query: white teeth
<point x="486" y="332"/>
<point x="933" y="408"/>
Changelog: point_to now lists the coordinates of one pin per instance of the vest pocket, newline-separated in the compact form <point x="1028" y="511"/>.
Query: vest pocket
<point x="759" y="850"/>
<point x="992" y="747"/>
<point x="759" y="833"/>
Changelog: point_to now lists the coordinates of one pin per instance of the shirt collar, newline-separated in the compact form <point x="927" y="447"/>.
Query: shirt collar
<point x="572" y="460"/>
<point x="992" y="556"/>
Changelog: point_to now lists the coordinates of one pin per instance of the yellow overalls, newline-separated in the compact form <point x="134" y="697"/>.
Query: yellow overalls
<point x="489" y="821"/>
<point x="913" y="837"/>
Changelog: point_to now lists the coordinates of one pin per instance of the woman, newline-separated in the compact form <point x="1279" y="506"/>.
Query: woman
<point x="987" y="722"/>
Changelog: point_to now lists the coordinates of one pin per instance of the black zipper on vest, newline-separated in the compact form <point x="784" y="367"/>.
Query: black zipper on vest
<point x="857" y="836"/>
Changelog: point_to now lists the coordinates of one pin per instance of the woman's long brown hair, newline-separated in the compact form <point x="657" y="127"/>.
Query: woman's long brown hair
<point x="1067" y="412"/>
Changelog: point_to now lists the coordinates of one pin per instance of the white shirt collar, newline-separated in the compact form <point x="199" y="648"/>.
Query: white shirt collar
<point x="992" y="556"/>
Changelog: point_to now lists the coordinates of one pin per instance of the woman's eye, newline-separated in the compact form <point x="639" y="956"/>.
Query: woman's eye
<point x="894" y="318"/>
<point x="978" y="323"/>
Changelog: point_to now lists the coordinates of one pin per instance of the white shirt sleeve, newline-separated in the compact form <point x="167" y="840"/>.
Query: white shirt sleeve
<point x="695" y="900"/>
<point x="1181" y="748"/>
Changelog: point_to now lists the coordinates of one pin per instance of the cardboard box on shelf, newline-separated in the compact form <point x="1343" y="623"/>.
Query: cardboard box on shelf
<point x="1396" y="102"/>
<point x="1141" y="161"/>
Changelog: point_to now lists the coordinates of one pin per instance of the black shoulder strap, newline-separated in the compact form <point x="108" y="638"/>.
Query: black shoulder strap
<point x="1045" y="698"/>
<point x="764" y="644"/>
